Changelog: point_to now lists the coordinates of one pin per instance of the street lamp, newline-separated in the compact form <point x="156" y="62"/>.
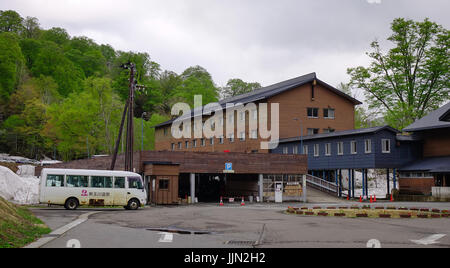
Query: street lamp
<point x="301" y="134"/>
<point x="142" y="117"/>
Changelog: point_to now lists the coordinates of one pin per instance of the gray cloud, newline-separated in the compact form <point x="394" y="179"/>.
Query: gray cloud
<point x="256" y="40"/>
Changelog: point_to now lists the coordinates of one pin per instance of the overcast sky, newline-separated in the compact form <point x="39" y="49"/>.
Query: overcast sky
<point x="265" y="41"/>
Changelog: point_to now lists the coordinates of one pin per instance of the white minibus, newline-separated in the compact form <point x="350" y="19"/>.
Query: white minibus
<point x="72" y="188"/>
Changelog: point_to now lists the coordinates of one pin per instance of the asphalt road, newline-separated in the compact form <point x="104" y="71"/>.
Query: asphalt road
<point x="258" y="225"/>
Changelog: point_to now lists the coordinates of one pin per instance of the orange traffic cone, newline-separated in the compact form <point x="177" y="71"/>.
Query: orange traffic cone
<point x="371" y="200"/>
<point x="392" y="198"/>
<point x="243" y="202"/>
<point x="374" y="198"/>
<point x="360" y="199"/>
<point x="221" y="202"/>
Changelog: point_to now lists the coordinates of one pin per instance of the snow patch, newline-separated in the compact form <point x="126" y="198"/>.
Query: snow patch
<point x="19" y="190"/>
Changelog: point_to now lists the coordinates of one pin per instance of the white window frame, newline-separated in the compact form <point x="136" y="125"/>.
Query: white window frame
<point x="356" y="147"/>
<point x="194" y="143"/>
<point x="316" y="150"/>
<point x="285" y="150"/>
<point x="203" y="142"/>
<point x="242" y="136"/>
<point x="295" y="150"/>
<point x="328" y="149"/>
<point x="254" y="135"/>
<point x="328" y="116"/>
<point x="221" y="140"/>
<point x="382" y="146"/>
<point x="231" y="137"/>
<point x="305" y="149"/>
<point x="368" y="146"/>
<point x="340" y="148"/>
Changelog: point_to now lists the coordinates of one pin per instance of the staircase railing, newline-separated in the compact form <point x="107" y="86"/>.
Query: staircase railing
<point x="322" y="185"/>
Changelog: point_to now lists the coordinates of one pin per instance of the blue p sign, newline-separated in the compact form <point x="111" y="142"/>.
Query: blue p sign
<point x="229" y="166"/>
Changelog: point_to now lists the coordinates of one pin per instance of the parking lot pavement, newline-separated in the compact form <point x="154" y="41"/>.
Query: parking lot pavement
<point x="233" y="226"/>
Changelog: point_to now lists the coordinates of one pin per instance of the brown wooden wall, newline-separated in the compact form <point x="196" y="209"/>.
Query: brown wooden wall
<point x="165" y="196"/>
<point x="214" y="163"/>
<point x="416" y="185"/>
<point x="437" y="143"/>
<point x="293" y="104"/>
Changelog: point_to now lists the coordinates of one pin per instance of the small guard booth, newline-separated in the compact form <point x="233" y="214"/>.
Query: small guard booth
<point x="161" y="179"/>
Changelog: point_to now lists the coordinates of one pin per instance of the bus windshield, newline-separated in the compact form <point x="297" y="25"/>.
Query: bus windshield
<point x="135" y="183"/>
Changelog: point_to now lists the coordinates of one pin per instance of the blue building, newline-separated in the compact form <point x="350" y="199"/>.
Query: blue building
<point x="362" y="149"/>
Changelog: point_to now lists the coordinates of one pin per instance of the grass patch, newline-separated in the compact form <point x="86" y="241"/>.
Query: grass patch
<point x="18" y="226"/>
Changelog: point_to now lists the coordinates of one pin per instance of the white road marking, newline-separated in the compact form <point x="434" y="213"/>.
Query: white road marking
<point x="430" y="240"/>
<point x="73" y="243"/>
<point x="374" y="243"/>
<point x="166" y="238"/>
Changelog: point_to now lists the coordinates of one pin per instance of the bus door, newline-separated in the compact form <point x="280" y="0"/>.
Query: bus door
<point x="119" y="192"/>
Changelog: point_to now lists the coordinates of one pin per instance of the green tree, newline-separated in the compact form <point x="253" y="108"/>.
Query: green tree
<point x="237" y="87"/>
<point x="11" y="65"/>
<point x="56" y="35"/>
<point x="51" y="61"/>
<point x="197" y="81"/>
<point x="412" y="78"/>
<point x="10" y="21"/>
<point x="31" y="28"/>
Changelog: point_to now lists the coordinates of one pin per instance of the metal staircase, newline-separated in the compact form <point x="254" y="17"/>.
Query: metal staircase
<point x="322" y="185"/>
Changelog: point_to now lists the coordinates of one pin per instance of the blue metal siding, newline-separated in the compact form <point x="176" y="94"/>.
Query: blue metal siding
<point x="399" y="156"/>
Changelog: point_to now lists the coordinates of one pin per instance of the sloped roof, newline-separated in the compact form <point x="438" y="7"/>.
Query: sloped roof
<point x="270" y="91"/>
<point x="431" y="121"/>
<point x="432" y="165"/>
<point x="340" y="134"/>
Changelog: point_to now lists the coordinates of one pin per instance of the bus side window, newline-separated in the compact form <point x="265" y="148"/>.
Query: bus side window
<point x="108" y="182"/>
<point x="119" y="183"/>
<point x="77" y="181"/>
<point x="135" y="183"/>
<point x="55" y="180"/>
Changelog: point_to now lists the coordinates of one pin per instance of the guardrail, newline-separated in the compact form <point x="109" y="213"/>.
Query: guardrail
<point x="322" y="185"/>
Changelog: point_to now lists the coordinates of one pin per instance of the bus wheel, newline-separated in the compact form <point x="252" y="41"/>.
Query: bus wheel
<point x="133" y="204"/>
<point x="71" y="204"/>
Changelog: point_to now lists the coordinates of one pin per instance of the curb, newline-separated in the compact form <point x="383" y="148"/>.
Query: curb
<point x="60" y="231"/>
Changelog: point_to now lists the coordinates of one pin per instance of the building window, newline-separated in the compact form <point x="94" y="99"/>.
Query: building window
<point x="231" y="118"/>
<point x="353" y="147"/>
<point x="386" y="146"/>
<point x="340" y="148"/>
<point x="211" y="141"/>
<point x="173" y="146"/>
<point x="255" y="115"/>
<point x="313" y="112"/>
<point x="242" y="136"/>
<point x="328" y="113"/>
<point x="203" y="142"/>
<point x="254" y="135"/>
<point x="285" y="150"/>
<point x="231" y="137"/>
<point x="328" y="149"/>
<point x="305" y="149"/>
<point x="194" y="142"/>
<point x="187" y="145"/>
<point x="316" y="150"/>
<point x="221" y="140"/>
<point x="313" y="131"/>
<point x="164" y="184"/>
<point x="368" y="146"/>
<point x="242" y="116"/>
<point x="295" y="150"/>
<point x="180" y="145"/>
<point x="328" y="130"/>
<point x="166" y="131"/>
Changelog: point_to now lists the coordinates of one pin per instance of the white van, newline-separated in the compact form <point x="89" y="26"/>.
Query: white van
<point x="72" y="188"/>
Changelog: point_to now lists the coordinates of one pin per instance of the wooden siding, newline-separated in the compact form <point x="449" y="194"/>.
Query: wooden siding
<point x="416" y="185"/>
<point x="214" y="163"/>
<point x="437" y="143"/>
<point x="293" y="104"/>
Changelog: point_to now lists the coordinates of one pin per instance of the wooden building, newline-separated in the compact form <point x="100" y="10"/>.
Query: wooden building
<point x="432" y="168"/>
<point x="172" y="176"/>
<point x="306" y="105"/>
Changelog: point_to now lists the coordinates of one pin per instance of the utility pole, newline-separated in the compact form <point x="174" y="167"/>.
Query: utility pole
<point x="129" y="113"/>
